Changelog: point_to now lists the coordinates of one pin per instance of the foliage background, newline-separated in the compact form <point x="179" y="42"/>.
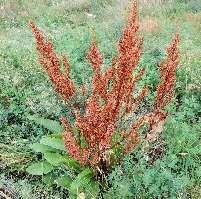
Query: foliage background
<point x="171" y="168"/>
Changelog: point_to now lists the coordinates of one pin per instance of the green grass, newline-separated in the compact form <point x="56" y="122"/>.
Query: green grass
<point x="25" y="89"/>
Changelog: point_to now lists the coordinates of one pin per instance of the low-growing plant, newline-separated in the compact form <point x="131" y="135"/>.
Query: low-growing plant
<point x="56" y="167"/>
<point x="94" y="140"/>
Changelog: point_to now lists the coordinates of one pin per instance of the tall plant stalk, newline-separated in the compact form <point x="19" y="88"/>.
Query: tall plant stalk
<point x="109" y="102"/>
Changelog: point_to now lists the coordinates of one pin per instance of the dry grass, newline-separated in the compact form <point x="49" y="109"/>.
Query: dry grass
<point x="153" y="2"/>
<point x="195" y="19"/>
<point x="149" y="25"/>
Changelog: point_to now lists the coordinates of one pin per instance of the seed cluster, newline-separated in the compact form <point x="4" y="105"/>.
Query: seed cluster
<point x="105" y="105"/>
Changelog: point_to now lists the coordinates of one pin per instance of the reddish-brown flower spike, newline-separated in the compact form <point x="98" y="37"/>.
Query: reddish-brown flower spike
<point x="74" y="150"/>
<point x="104" y="107"/>
<point x="67" y="67"/>
<point x="94" y="56"/>
<point x="51" y="64"/>
<point x="165" y="90"/>
<point x="105" y="142"/>
<point x="133" y="140"/>
<point x="133" y="137"/>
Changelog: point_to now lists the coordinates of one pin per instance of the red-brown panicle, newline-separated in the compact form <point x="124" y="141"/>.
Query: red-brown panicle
<point x="98" y="123"/>
<point x="112" y="93"/>
<point x="165" y="89"/>
<point x="51" y="63"/>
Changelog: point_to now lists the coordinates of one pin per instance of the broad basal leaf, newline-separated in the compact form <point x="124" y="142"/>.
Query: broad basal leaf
<point x="53" y="158"/>
<point x="39" y="168"/>
<point x="41" y="148"/>
<point x="64" y="181"/>
<point x="54" y="142"/>
<point x="81" y="181"/>
<point x="48" y="179"/>
<point x="51" y="125"/>
<point x="72" y="164"/>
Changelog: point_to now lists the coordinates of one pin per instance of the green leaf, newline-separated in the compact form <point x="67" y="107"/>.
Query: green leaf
<point x="56" y="135"/>
<point x="51" y="125"/>
<point x="53" y="158"/>
<point x="54" y="142"/>
<point x="92" y="189"/>
<point x="41" y="148"/>
<point x="48" y="179"/>
<point x="39" y="168"/>
<point x="82" y="180"/>
<point x="64" y="181"/>
<point x="70" y="163"/>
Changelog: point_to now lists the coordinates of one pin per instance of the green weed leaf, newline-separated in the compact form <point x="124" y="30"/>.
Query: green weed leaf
<point x="39" y="168"/>
<point x="83" y="182"/>
<point x="53" y="158"/>
<point x="64" y="181"/>
<point x="54" y="142"/>
<point x="51" y="125"/>
<point x="70" y="163"/>
<point x="41" y="148"/>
